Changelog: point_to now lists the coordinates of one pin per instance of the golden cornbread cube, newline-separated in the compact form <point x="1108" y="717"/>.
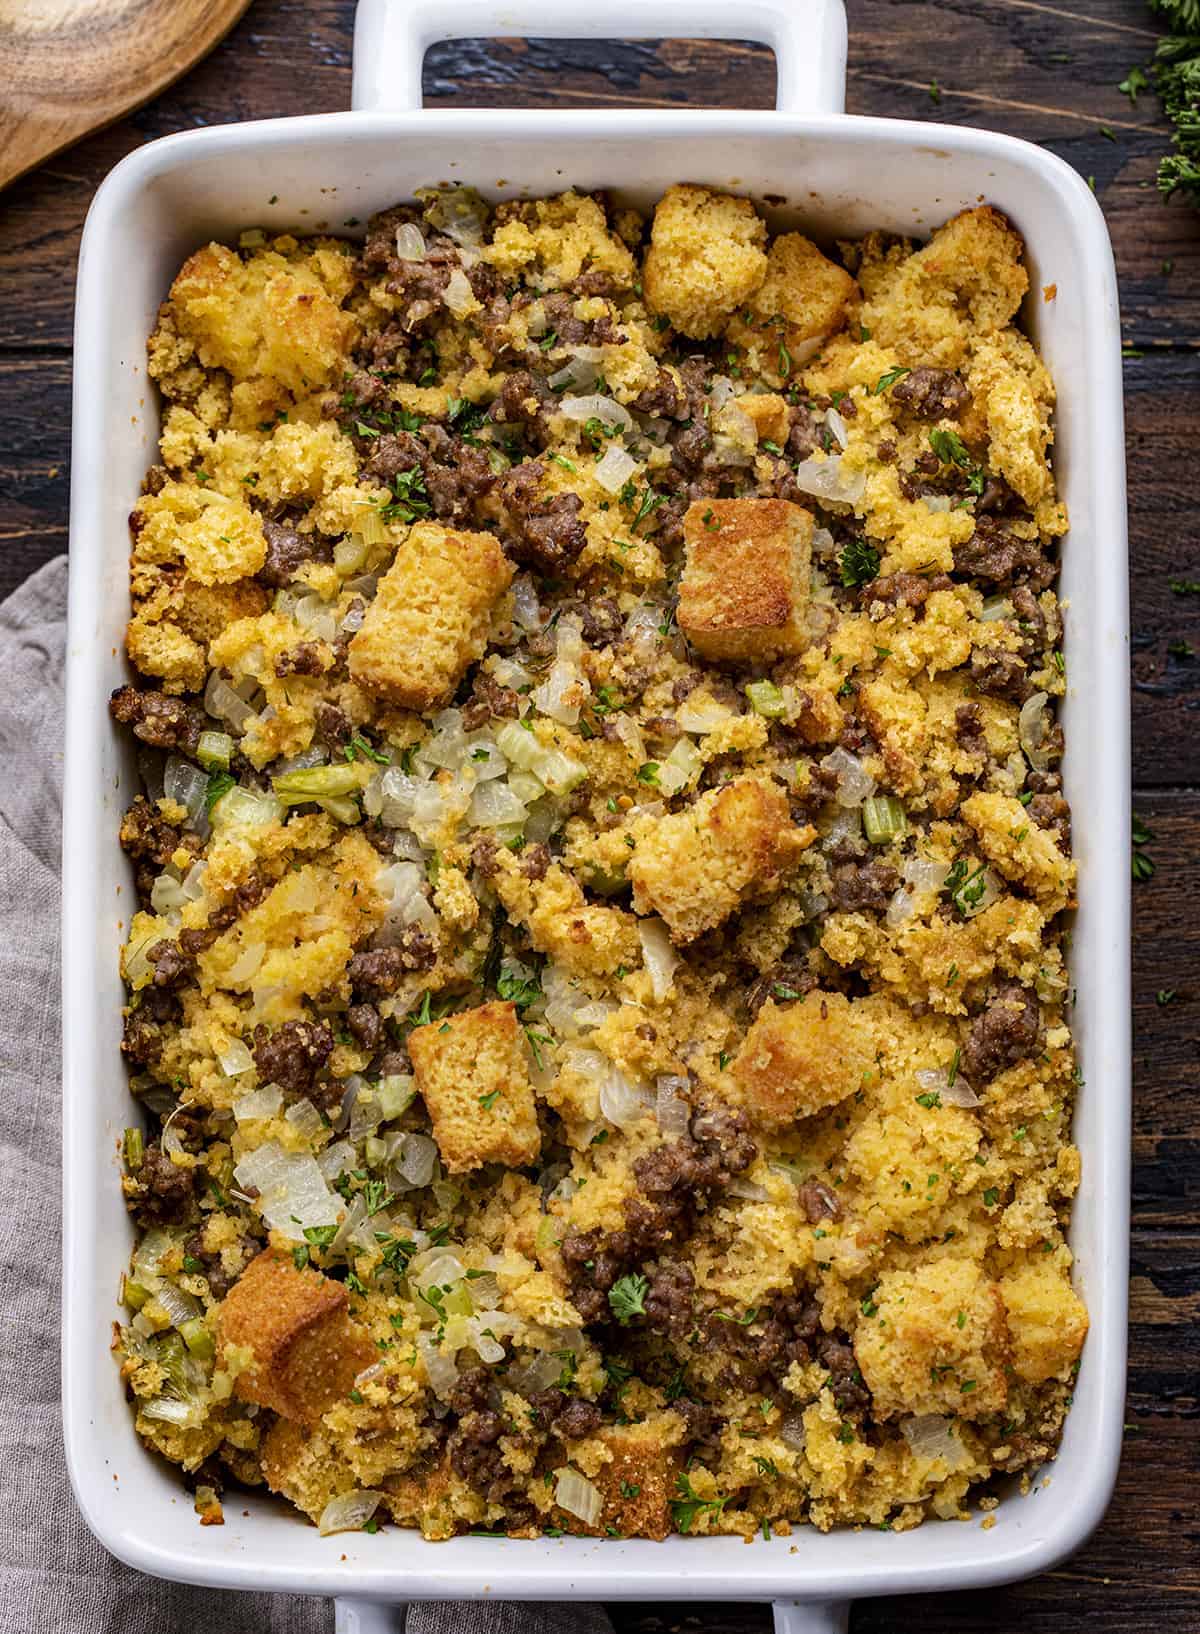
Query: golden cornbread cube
<point x="745" y="584"/>
<point x="307" y="1350"/>
<point x="431" y="615"/>
<point x="803" y="298"/>
<point x="472" y="1073"/>
<point x="705" y="258"/>
<point x="937" y="1342"/>
<point x="1046" y="1319"/>
<point x="264" y="316"/>
<point x="1020" y="850"/>
<point x="694" y="867"/>
<point x="797" y="1060"/>
<point x="639" y="1483"/>
<point x="770" y="414"/>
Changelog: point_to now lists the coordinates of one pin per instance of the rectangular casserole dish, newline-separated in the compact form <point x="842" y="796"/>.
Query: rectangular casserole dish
<point x="840" y="177"/>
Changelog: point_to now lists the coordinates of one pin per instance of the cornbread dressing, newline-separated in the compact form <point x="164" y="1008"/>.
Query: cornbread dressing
<point x="597" y="995"/>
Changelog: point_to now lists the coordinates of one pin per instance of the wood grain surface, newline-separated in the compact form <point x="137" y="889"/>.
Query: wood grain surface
<point x="70" y="67"/>
<point x="1048" y="72"/>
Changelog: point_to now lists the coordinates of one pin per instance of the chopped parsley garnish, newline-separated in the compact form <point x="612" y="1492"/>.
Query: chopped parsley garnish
<point x="689" y="1506"/>
<point x="488" y="1101"/>
<point x="627" y="1297"/>
<point x="218" y="784"/>
<point x="858" y="563"/>
<point x="951" y="450"/>
<point x="888" y="379"/>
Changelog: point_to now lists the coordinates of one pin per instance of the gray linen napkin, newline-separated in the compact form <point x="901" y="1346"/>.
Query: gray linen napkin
<point x="54" y="1577"/>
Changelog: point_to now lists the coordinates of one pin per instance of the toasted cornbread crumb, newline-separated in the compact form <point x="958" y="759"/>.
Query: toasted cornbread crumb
<point x="472" y="1073"/>
<point x="744" y="590"/>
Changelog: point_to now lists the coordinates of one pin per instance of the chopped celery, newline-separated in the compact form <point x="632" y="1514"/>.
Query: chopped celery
<point x="214" y="751"/>
<point x="197" y="1338"/>
<point x="350" y="553"/>
<point x="395" y="1094"/>
<point x="133" y="1294"/>
<point x="557" y="770"/>
<point x="684" y="763"/>
<point x="765" y="699"/>
<point x="317" y="783"/>
<point x="343" y="808"/>
<point x="883" y="819"/>
<point x="245" y="808"/>
<point x="134" y="1150"/>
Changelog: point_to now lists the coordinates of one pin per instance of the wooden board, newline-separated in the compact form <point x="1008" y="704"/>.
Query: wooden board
<point x="1046" y="72"/>
<point x="69" y="67"/>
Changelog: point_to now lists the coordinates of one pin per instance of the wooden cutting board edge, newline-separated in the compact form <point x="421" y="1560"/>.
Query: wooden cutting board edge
<point x="42" y="113"/>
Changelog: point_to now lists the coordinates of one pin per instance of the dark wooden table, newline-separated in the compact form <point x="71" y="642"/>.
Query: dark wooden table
<point x="1042" y="71"/>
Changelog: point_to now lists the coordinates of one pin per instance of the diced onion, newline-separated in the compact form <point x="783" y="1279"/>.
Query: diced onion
<point x="410" y="242"/>
<point x="1033" y="726"/>
<point x="305" y="1119"/>
<point x="684" y="763"/>
<point x="838" y="426"/>
<point x="855" y="783"/>
<point x="995" y="607"/>
<point x="937" y="502"/>
<point x="527" y="610"/>
<point x="494" y="805"/>
<point x="823" y="542"/>
<point x="658" y="955"/>
<point x="440" y="1370"/>
<point x="336" y="1159"/>
<point x="702" y="716"/>
<point x="235" y="1058"/>
<point x="316" y="617"/>
<point x="580" y="370"/>
<point x="825" y="479"/>
<point x="188" y="786"/>
<point x="246" y="808"/>
<point x="750" y="1190"/>
<point x="576" y="1494"/>
<point x="937" y="1081"/>
<point x="167" y="895"/>
<point x="180" y="1307"/>
<point x="929" y="1435"/>
<point x="187" y="1414"/>
<point x="264" y="1102"/>
<point x="349" y="1512"/>
<point x="671" y="1109"/>
<point x="224" y="704"/>
<point x="792" y="1432"/>
<point x="563" y="693"/>
<point x="623" y="1102"/>
<point x="292" y="1190"/>
<point x="920" y="879"/>
<point x="612" y="415"/>
<point x="458" y="295"/>
<point x="417" y="1159"/>
<point x="615" y="469"/>
<point x="247" y="964"/>
<point x="459" y="212"/>
<point x="402" y="885"/>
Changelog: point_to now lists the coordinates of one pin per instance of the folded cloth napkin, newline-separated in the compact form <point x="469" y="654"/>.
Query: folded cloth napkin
<point x="54" y="1577"/>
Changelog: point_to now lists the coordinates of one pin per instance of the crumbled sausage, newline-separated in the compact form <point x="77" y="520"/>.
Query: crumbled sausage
<point x="854" y="887"/>
<point x="333" y="723"/>
<point x="968" y="728"/>
<point x="378" y="972"/>
<point x="304" y="659"/>
<point x="669" y="1299"/>
<point x="162" y="721"/>
<point x="548" y="538"/>
<point x="785" y="982"/>
<point x="293" y="1055"/>
<point x="287" y="552"/>
<point x="489" y="701"/>
<point x="819" y="1201"/>
<point x="1006" y="1033"/>
<point x="932" y="394"/>
<point x="1000" y="674"/>
<point x="165" y="1191"/>
<point x="365" y="1024"/>
<point x="172" y="966"/>
<point x="904" y="589"/>
<point x="151" y="841"/>
<point x="995" y="553"/>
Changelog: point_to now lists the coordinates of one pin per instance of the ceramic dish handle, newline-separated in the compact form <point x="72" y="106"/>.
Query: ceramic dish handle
<point x="808" y="38"/>
<point x="368" y="1616"/>
<point x="791" y="1617"/>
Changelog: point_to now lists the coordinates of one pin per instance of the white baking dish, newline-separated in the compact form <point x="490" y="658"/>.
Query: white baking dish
<point x="840" y="176"/>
